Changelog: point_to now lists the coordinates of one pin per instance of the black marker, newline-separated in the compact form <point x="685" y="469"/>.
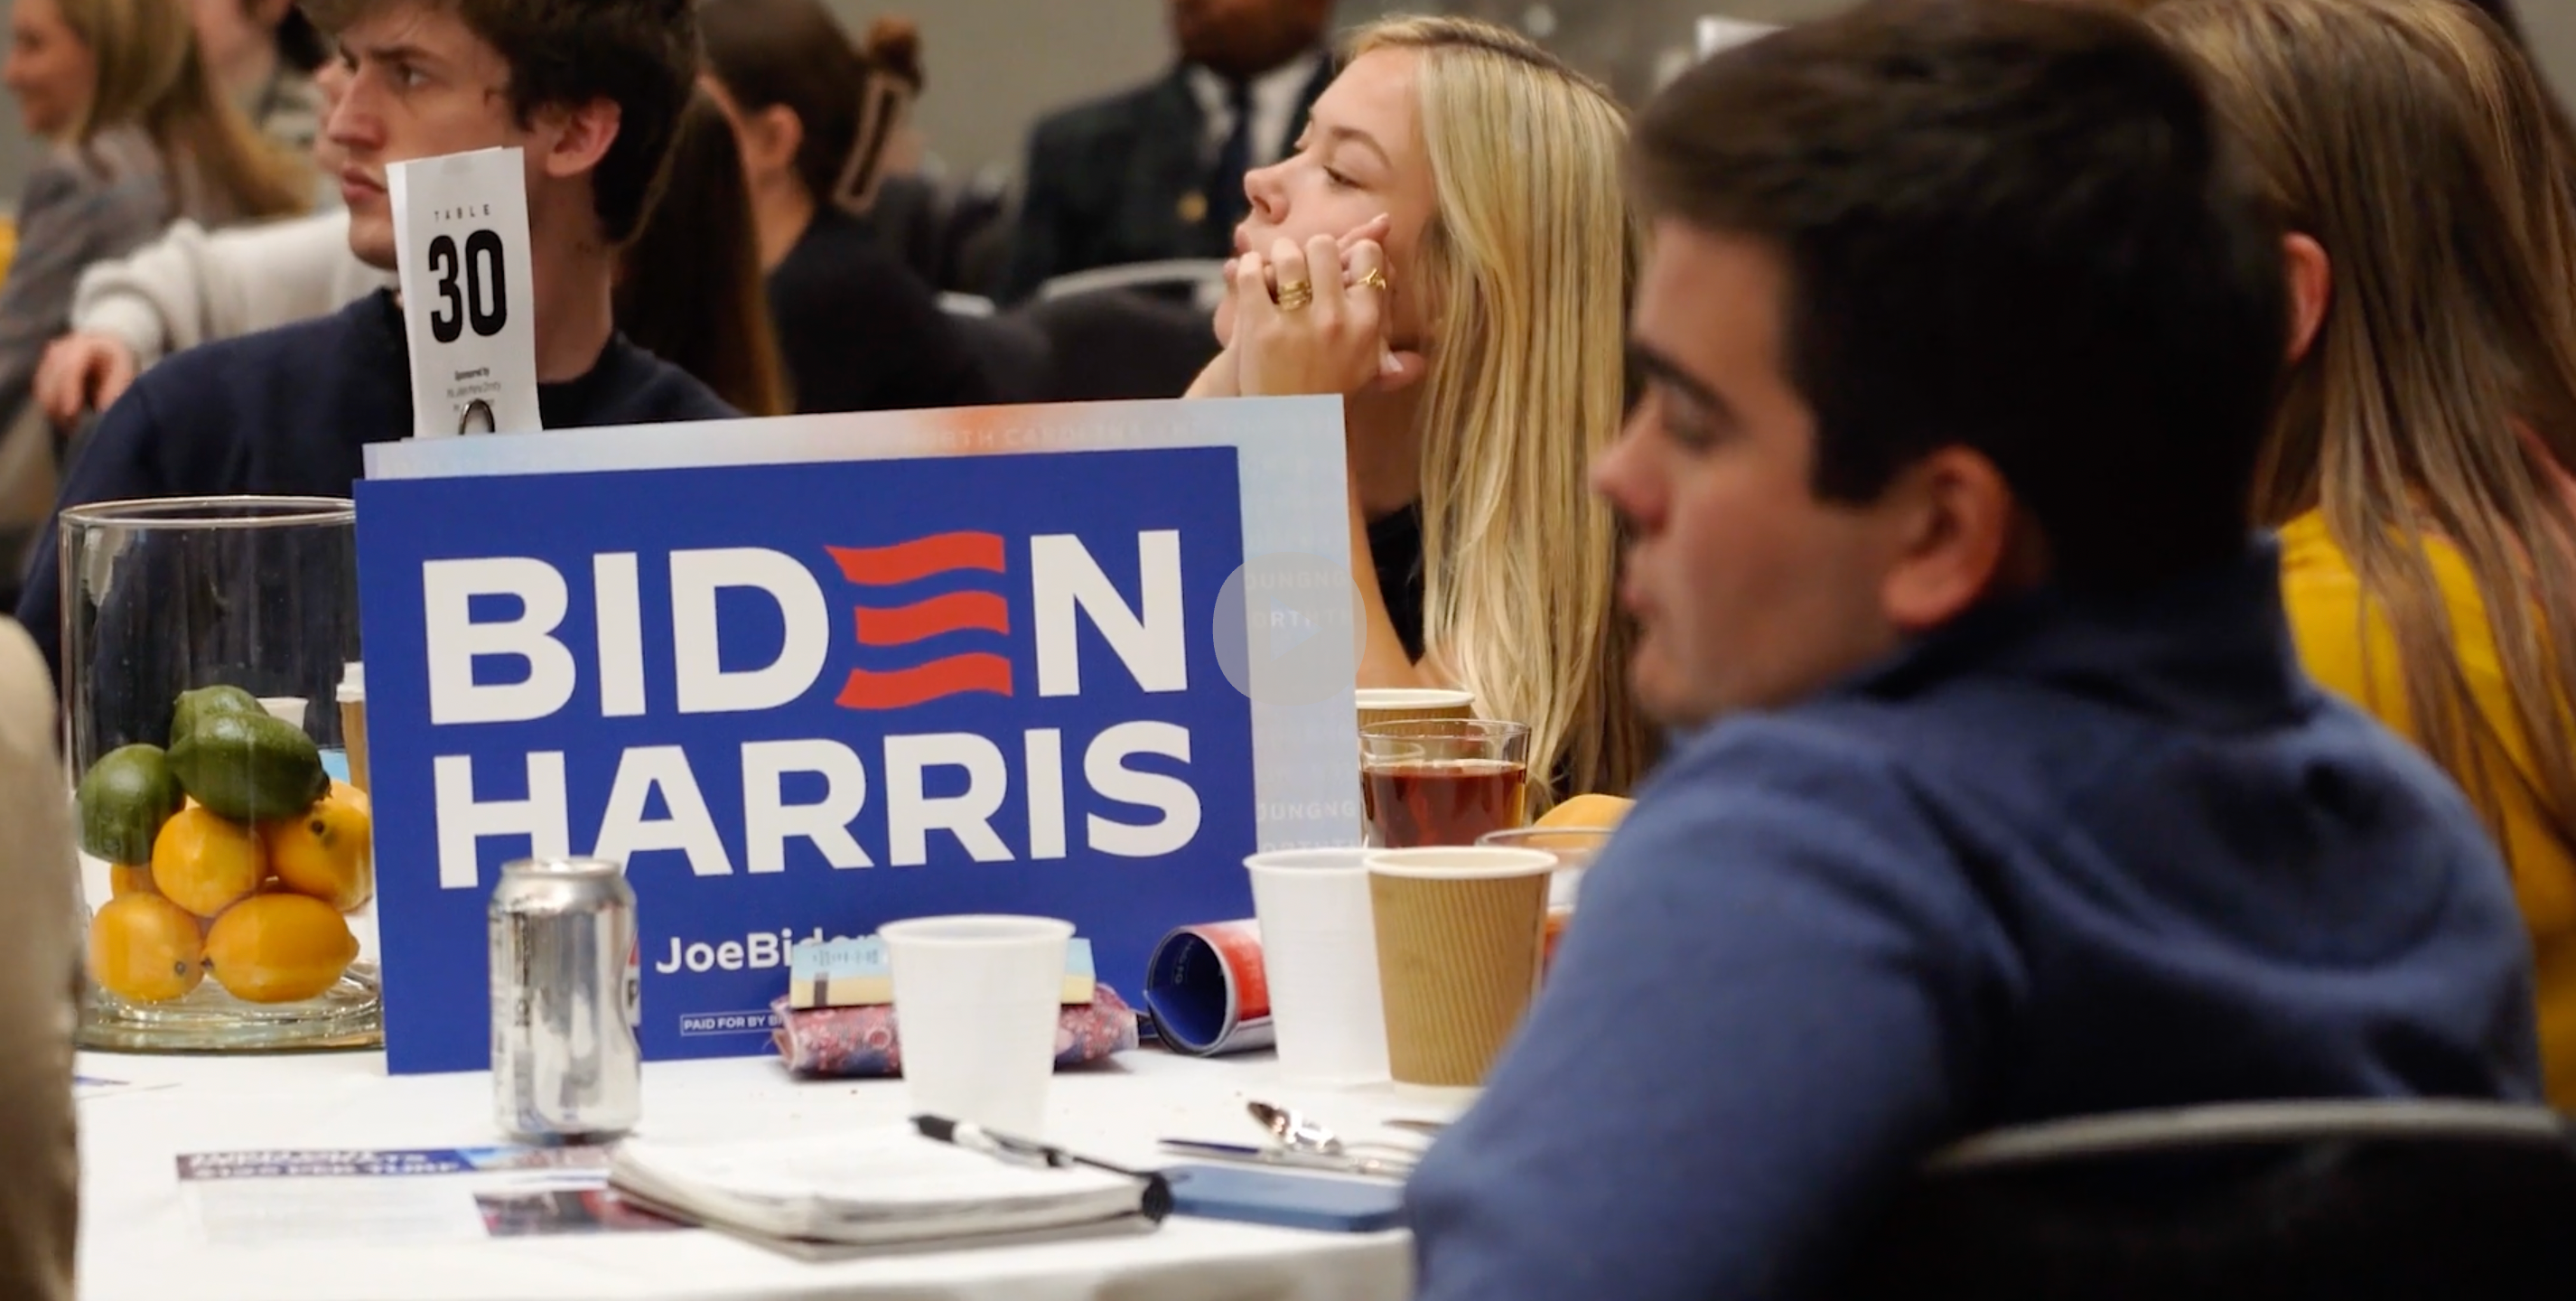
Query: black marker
<point x="976" y="1138"/>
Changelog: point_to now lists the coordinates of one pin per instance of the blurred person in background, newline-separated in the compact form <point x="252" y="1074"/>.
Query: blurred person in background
<point x="1157" y="172"/>
<point x="194" y="286"/>
<point x="1999" y="796"/>
<point x="892" y="48"/>
<point x="903" y="207"/>
<point x="689" y="288"/>
<point x="858" y="330"/>
<point x="139" y="136"/>
<point x="1451" y="252"/>
<point x="2417" y="466"/>
<point x="699" y="309"/>
<point x="263" y="54"/>
<point x="590" y="94"/>
<point x="39" y="1147"/>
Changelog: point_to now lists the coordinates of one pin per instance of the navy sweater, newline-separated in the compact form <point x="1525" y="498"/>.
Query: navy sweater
<point x="289" y="411"/>
<point x="2059" y="858"/>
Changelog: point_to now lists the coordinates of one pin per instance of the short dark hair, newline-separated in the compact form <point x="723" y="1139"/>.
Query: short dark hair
<point x="299" y="44"/>
<point x="642" y="54"/>
<point x="2011" y="227"/>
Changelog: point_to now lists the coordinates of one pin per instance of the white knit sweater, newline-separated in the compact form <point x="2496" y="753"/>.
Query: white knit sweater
<point x="192" y="287"/>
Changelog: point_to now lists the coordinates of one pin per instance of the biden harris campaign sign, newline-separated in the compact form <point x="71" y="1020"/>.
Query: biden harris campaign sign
<point x="805" y="676"/>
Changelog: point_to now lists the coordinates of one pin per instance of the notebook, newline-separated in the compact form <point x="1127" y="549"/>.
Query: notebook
<point x="870" y="1187"/>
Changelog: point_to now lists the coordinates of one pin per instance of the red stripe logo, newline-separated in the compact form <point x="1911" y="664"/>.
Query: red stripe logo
<point x="903" y="688"/>
<point x="882" y="627"/>
<point x="955" y="612"/>
<point x="906" y="562"/>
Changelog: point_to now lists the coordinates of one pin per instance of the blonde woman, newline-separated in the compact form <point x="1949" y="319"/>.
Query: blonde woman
<point x="262" y="55"/>
<point x="1448" y="247"/>
<point x="2415" y="468"/>
<point x="141" y="136"/>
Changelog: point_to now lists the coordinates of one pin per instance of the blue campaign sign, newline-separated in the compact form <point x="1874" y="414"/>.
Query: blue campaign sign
<point x="802" y="698"/>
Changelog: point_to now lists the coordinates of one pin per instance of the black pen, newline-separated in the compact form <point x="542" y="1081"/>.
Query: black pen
<point x="976" y="1138"/>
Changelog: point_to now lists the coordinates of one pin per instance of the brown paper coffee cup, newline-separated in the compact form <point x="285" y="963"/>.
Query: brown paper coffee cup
<point x="353" y="722"/>
<point x="1460" y="937"/>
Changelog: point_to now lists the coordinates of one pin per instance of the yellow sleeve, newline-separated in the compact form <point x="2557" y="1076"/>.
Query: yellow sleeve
<point x="2347" y="648"/>
<point x="2350" y="651"/>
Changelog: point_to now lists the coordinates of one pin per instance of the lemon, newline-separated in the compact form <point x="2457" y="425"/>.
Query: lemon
<point x="206" y="864"/>
<point x="326" y="853"/>
<point x="145" y="948"/>
<point x="279" y="948"/>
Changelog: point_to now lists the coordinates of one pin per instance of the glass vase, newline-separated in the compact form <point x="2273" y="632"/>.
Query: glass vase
<point x="227" y="865"/>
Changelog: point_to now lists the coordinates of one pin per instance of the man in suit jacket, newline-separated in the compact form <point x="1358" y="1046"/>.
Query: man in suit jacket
<point x="1157" y="172"/>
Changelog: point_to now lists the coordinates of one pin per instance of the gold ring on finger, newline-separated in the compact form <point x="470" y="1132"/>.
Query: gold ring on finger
<point x="1376" y="279"/>
<point x="1296" y="297"/>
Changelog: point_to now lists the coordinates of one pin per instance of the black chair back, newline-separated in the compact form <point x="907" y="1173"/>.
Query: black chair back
<point x="1120" y="344"/>
<point x="2268" y="1202"/>
<point x="1012" y="354"/>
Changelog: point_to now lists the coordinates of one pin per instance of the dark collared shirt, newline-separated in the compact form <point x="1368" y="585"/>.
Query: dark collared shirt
<point x="2062" y="857"/>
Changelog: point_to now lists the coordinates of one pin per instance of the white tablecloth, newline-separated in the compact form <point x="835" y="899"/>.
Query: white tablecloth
<point x="143" y="1236"/>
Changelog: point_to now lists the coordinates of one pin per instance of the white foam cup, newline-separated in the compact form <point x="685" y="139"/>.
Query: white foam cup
<point x="976" y="1002"/>
<point x="1319" y="951"/>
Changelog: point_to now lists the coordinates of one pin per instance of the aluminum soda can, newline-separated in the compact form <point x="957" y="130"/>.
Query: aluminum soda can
<point x="567" y="997"/>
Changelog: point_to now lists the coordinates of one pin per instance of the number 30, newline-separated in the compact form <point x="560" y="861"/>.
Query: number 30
<point x="481" y="266"/>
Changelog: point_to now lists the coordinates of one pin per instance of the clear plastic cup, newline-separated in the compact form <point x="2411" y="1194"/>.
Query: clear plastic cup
<point x="1444" y="781"/>
<point x="1574" y="848"/>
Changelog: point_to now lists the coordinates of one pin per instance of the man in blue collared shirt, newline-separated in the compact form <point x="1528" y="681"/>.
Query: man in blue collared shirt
<point x="2003" y="797"/>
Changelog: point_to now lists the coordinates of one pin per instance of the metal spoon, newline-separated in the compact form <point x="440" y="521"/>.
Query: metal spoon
<point x="1274" y="1155"/>
<point x="1298" y="1132"/>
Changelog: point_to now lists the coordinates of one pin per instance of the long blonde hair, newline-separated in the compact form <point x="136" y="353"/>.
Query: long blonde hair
<point x="2418" y="146"/>
<point x="1526" y="268"/>
<point x="152" y="76"/>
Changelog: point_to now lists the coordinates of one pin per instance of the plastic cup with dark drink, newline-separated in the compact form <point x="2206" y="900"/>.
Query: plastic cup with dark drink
<point x="1444" y="781"/>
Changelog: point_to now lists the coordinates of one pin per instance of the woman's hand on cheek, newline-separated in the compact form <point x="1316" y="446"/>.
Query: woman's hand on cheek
<point x="1372" y="231"/>
<point x="1320" y="335"/>
<point x="1400" y="368"/>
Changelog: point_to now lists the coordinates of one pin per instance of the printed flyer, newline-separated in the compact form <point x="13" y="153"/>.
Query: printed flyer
<point x="269" y="1198"/>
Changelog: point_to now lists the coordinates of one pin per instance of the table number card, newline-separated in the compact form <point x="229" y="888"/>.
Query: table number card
<point x="469" y="294"/>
